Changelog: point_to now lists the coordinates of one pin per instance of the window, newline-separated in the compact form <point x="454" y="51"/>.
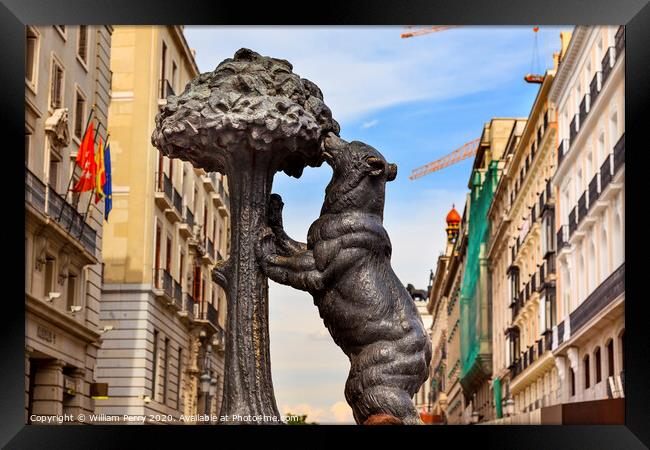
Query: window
<point x="163" y="70"/>
<point x="72" y="290"/>
<point x="165" y="369"/>
<point x="613" y="128"/>
<point x="48" y="279"/>
<point x="31" y="54"/>
<point x="603" y="251"/>
<point x="28" y="145"/>
<point x="174" y="76"/>
<point x="618" y="241"/>
<point x="572" y="383"/>
<point x="158" y="237"/>
<point x="551" y="310"/>
<point x="610" y="358"/>
<point x="592" y="267"/>
<point x="79" y="114"/>
<point x="195" y="200"/>
<point x="179" y="375"/>
<point x="585" y="363"/>
<point x="196" y="288"/>
<point x="168" y="256"/>
<point x="181" y="269"/>
<point x="56" y="85"/>
<point x="82" y="43"/>
<point x="155" y="364"/>
<point x="597" y="361"/>
<point x="55" y="164"/>
<point x="601" y="148"/>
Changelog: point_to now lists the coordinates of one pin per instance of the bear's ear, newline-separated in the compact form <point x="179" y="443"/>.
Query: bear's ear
<point x="377" y="165"/>
<point x="392" y="172"/>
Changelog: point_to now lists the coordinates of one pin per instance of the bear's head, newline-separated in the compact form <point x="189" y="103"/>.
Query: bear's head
<point x="359" y="178"/>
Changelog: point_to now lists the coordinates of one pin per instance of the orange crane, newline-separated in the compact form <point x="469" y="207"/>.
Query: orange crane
<point x="466" y="151"/>
<point x="419" y="31"/>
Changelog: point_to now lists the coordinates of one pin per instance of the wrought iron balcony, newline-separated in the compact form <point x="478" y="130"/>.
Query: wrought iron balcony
<point x="163" y="282"/>
<point x="606" y="173"/>
<point x="582" y="206"/>
<point x="178" y="295"/>
<point x="594" y="189"/>
<point x="164" y="191"/>
<point x="541" y="276"/>
<point x="188" y="306"/>
<point x="563" y="237"/>
<point x="595" y="86"/>
<point x="189" y="217"/>
<point x="619" y="40"/>
<point x="585" y="107"/>
<point x="34" y="191"/>
<point x="178" y="202"/>
<point x="560" y="333"/>
<point x="211" y="248"/>
<point x="619" y="153"/>
<point x="574" y="127"/>
<point x="608" y="63"/>
<point x="562" y="151"/>
<point x="572" y="222"/>
<point x="599" y="299"/>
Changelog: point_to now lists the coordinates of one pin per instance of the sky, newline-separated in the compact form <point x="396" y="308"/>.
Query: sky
<point x="415" y="100"/>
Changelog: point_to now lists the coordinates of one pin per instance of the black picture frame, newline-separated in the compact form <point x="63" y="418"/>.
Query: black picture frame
<point x="634" y="14"/>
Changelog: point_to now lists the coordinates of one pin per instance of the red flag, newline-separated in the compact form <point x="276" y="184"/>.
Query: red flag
<point x="86" y="160"/>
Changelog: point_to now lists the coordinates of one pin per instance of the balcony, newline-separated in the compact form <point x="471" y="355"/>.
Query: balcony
<point x="163" y="285"/>
<point x="608" y="63"/>
<point x="207" y="256"/>
<point x="582" y="207"/>
<point x="599" y="299"/>
<point x="178" y="295"/>
<point x="619" y="40"/>
<point x="210" y="247"/>
<point x="619" y="153"/>
<point x="178" y="204"/>
<point x="574" y="127"/>
<point x="209" y="314"/>
<point x="188" y="310"/>
<point x="606" y="173"/>
<point x="208" y="182"/>
<point x="563" y="237"/>
<point x="595" y="86"/>
<point x="562" y="151"/>
<point x="572" y="222"/>
<point x="164" y="192"/>
<point x="186" y="227"/>
<point x="594" y="189"/>
<point x="585" y="107"/>
<point x="62" y="212"/>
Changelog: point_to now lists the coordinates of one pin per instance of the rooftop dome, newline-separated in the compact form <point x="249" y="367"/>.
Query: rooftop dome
<point x="453" y="216"/>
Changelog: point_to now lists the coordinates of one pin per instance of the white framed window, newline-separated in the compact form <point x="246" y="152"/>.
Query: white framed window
<point x="601" y="147"/>
<point x="82" y="45"/>
<point x="613" y="128"/>
<point x="57" y="80"/>
<point x="72" y="289"/>
<point x="54" y="169"/>
<point x="79" y="113"/>
<point x="32" y="47"/>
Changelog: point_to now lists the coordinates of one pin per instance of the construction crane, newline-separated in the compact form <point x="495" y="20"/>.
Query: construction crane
<point x="466" y="151"/>
<point x="419" y="31"/>
<point x="531" y="77"/>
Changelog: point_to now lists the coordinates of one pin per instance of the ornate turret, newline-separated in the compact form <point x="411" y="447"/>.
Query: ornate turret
<point x="453" y="224"/>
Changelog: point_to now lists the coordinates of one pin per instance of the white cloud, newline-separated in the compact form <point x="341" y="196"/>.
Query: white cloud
<point x="370" y="123"/>
<point x="342" y="412"/>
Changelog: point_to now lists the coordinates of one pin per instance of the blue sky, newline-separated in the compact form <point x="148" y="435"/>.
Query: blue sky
<point x="415" y="100"/>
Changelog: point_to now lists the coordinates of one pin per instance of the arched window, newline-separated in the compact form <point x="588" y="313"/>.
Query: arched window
<point x="621" y="340"/>
<point x="610" y="358"/>
<point x="572" y="382"/>
<point x="603" y="250"/>
<point x="597" y="362"/>
<point x="585" y="364"/>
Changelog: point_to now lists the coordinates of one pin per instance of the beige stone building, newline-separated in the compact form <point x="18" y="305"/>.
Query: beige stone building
<point x="447" y="401"/>
<point x="589" y="184"/>
<point x="164" y="352"/>
<point x="66" y="73"/>
<point x="423" y="396"/>
<point x="521" y="255"/>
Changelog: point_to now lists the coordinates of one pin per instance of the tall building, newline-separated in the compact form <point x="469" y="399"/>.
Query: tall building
<point x="476" y="294"/>
<point x="66" y="74"/>
<point x="440" y="307"/>
<point x="589" y="183"/>
<point x="423" y="395"/>
<point x="164" y="351"/>
<point x="521" y="254"/>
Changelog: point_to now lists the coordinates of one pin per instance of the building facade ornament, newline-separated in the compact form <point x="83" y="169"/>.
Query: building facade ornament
<point x="56" y="126"/>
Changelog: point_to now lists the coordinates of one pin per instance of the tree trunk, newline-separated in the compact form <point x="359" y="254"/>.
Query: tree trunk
<point x="248" y="387"/>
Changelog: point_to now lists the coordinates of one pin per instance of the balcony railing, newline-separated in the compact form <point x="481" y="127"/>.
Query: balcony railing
<point x="608" y="63"/>
<point x="574" y="126"/>
<point x="164" y="184"/>
<point x="189" y="217"/>
<point x="606" y="173"/>
<point x="619" y="153"/>
<point x="619" y="40"/>
<point x="178" y="202"/>
<point x="582" y="206"/>
<point x="34" y="191"/>
<point x="599" y="299"/>
<point x="210" y="246"/>
<point x="572" y="221"/>
<point x="585" y="107"/>
<point x="562" y="150"/>
<point x="563" y="237"/>
<point x="189" y="306"/>
<point x="595" y="86"/>
<point x="163" y="281"/>
<point x="594" y="189"/>
<point x="178" y="295"/>
<point x="211" y="315"/>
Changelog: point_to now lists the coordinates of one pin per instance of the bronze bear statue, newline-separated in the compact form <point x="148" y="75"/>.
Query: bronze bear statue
<point x="345" y="266"/>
